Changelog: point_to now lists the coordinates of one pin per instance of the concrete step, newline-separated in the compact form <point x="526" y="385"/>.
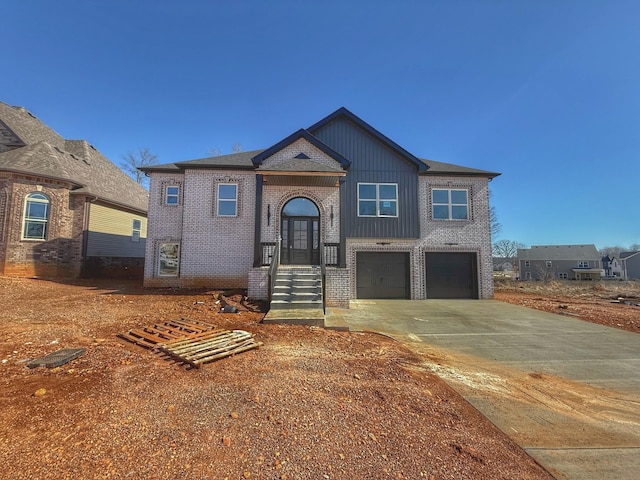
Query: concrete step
<point x="309" y="317"/>
<point x="296" y="304"/>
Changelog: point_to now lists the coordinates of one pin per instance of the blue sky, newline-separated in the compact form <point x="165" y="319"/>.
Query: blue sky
<point x="545" y="92"/>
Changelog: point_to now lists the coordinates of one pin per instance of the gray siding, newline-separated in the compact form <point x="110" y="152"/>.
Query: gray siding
<point x="373" y="162"/>
<point x="111" y="245"/>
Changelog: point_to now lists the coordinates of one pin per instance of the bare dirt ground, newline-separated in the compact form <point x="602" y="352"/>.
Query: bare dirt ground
<point x="610" y="303"/>
<point x="308" y="404"/>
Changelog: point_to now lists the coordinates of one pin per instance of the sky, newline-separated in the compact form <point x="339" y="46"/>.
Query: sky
<point x="545" y="92"/>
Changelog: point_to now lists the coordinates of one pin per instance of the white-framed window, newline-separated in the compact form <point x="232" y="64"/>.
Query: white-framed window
<point x="171" y="195"/>
<point x="136" y="228"/>
<point x="563" y="276"/>
<point x="377" y="199"/>
<point x="227" y="200"/>
<point x="36" y="217"/>
<point x="168" y="259"/>
<point x="549" y="264"/>
<point x="450" y="204"/>
<point x="583" y="264"/>
<point x="527" y="263"/>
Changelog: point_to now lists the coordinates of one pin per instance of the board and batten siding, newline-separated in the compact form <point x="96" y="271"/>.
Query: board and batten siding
<point x="110" y="233"/>
<point x="373" y="162"/>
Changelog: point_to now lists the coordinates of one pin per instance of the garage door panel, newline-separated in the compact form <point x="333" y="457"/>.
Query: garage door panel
<point x="451" y="275"/>
<point x="382" y="275"/>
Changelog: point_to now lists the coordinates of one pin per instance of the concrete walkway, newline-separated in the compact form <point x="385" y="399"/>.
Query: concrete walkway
<point x="567" y="391"/>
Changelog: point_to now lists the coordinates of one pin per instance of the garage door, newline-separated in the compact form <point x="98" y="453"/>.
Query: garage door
<point x="451" y="275"/>
<point x="382" y="275"/>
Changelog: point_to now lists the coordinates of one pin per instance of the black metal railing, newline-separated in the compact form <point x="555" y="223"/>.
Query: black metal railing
<point x="331" y="254"/>
<point x="273" y="266"/>
<point x="267" y="250"/>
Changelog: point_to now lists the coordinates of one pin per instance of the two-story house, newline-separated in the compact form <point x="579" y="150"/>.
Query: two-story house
<point x="381" y="222"/>
<point x="630" y="265"/>
<point x="560" y="262"/>
<point x="65" y="209"/>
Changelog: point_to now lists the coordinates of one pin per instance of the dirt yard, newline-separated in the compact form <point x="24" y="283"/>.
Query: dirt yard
<point x="611" y="303"/>
<point x="308" y="404"/>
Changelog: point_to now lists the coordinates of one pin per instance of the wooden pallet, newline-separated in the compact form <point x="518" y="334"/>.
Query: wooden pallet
<point x="160" y="333"/>
<point x="209" y="347"/>
<point x="191" y="343"/>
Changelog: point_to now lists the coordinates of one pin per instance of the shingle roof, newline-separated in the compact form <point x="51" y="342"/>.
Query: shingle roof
<point x="559" y="252"/>
<point x="75" y="161"/>
<point x="624" y="255"/>
<point x="441" y="168"/>
<point x="240" y="160"/>
<point x="300" y="165"/>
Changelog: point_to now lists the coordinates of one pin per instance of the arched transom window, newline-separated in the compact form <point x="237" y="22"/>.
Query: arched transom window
<point x="36" y="217"/>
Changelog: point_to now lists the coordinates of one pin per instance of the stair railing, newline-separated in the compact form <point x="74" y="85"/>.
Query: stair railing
<point x="323" y="271"/>
<point x="273" y="267"/>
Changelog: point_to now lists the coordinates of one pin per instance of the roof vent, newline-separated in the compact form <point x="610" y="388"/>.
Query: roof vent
<point x="302" y="156"/>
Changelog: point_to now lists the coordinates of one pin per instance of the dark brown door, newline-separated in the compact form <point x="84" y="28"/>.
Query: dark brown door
<point x="382" y="275"/>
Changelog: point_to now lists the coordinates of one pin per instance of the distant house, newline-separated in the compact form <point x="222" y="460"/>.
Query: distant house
<point x="630" y="269"/>
<point x="502" y="264"/>
<point x="340" y="194"/>
<point x="561" y="262"/>
<point x="65" y="209"/>
<point x="611" y="266"/>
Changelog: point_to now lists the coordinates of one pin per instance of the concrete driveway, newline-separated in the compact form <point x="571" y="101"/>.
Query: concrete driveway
<point x="567" y="391"/>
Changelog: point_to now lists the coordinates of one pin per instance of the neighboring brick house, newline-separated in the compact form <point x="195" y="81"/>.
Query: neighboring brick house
<point x="630" y="269"/>
<point x="560" y="262"/>
<point x="65" y="209"/>
<point x="386" y="223"/>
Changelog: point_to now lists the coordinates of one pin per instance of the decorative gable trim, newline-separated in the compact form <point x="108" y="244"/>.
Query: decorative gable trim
<point x="302" y="133"/>
<point x="343" y="112"/>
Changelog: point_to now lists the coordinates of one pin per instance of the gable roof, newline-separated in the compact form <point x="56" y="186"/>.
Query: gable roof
<point x="343" y="112"/>
<point x="253" y="159"/>
<point x="302" y="133"/>
<point x="625" y="255"/>
<point x="559" y="252"/>
<point x="47" y="154"/>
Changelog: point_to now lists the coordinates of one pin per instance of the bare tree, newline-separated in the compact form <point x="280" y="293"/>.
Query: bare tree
<point x="634" y="247"/>
<point x="496" y="226"/>
<point x="235" y="148"/>
<point x="132" y="161"/>
<point x="507" y="249"/>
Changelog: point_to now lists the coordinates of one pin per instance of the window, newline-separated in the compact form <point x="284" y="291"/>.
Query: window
<point x="527" y="263"/>
<point x="171" y="195"/>
<point x="377" y="200"/>
<point x="168" y="259"/>
<point x="563" y="276"/>
<point x="227" y="200"/>
<point x="450" y="204"/>
<point x="583" y="264"/>
<point x="36" y="217"/>
<point x="527" y="275"/>
<point x="135" y="230"/>
<point x="549" y="264"/>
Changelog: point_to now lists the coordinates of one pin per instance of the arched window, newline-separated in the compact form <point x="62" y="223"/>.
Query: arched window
<point x="36" y="217"/>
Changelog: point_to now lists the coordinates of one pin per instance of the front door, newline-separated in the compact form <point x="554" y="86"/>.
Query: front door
<point x="300" y="233"/>
<point x="300" y="242"/>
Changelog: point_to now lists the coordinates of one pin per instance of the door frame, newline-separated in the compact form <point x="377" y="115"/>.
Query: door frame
<point x="313" y="236"/>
